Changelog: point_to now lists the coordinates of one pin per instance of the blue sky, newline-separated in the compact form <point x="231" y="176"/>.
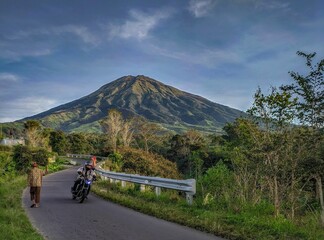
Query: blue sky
<point x="53" y="52"/>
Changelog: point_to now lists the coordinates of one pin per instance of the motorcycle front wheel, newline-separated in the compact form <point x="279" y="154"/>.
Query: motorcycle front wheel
<point x="83" y="196"/>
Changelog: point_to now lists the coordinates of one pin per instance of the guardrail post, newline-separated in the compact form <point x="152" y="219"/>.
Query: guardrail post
<point x="142" y="188"/>
<point x="123" y="184"/>
<point x="189" y="198"/>
<point x="157" y="191"/>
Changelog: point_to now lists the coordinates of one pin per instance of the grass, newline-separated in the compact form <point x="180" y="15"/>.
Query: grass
<point x="243" y="225"/>
<point x="14" y="223"/>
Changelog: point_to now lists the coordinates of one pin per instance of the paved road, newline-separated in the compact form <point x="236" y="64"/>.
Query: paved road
<point x="60" y="217"/>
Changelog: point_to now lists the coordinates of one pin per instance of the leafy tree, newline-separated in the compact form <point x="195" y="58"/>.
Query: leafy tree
<point x="24" y="156"/>
<point x="78" y="143"/>
<point x="59" y="142"/>
<point x="140" y="162"/>
<point x="184" y="149"/>
<point x="309" y="90"/>
<point x="148" y="134"/>
<point x="33" y="133"/>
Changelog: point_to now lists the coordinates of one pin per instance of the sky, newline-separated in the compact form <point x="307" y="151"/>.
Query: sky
<point x="56" y="51"/>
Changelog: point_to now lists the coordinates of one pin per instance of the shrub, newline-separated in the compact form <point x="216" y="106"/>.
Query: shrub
<point x="140" y="162"/>
<point x="216" y="184"/>
<point x="4" y="148"/>
<point x="24" y="156"/>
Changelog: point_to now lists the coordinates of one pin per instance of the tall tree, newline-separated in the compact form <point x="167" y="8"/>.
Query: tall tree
<point x="148" y="133"/>
<point x="112" y="125"/>
<point x="33" y="133"/>
<point x="59" y="142"/>
<point x="309" y="89"/>
<point x="127" y="132"/>
<point x="276" y="112"/>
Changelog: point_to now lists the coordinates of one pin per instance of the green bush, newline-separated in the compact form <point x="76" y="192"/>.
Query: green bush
<point x="24" y="156"/>
<point x="137" y="161"/>
<point x="216" y="185"/>
<point x="4" y="148"/>
<point x="6" y="163"/>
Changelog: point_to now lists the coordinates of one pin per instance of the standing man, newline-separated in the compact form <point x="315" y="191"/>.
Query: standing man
<point x="35" y="177"/>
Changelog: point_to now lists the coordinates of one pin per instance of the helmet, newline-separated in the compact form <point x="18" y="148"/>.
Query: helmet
<point x="88" y="165"/>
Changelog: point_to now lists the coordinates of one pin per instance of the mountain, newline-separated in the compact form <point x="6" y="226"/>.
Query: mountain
<point x="143" y="96"/>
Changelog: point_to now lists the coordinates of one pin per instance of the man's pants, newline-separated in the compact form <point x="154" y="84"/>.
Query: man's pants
<point x="35" y="194"/>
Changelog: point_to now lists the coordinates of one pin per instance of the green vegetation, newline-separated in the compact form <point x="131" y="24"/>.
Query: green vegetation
<point x="14" y="223"/>
<point x="252" y="222"/>
<point x="261" y="179"/>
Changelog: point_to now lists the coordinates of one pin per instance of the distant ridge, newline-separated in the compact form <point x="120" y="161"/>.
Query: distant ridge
<point x="142" y="96"/>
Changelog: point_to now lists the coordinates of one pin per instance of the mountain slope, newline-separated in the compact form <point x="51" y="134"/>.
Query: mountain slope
<point x="142" y="96"/>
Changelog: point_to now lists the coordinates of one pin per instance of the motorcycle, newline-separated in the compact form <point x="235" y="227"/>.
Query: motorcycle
<point x="82" y="190"/>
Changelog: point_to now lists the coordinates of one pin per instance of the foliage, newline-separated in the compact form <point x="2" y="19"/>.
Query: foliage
<point x="23" y="157"/>
<point x="252" y="222"/>
<point x="217" y="185"/>
<point x="78" y="143"/>
<point x="117" y="161"/>
<point x="4" y="148"/>
<point x="6" y="163"/>
<point x="140" y="162"/>
<point x="33" y="133"/>
<point x="59" y="142"/>
<point x="309" y="91"/>
<point x="14" y="223"/>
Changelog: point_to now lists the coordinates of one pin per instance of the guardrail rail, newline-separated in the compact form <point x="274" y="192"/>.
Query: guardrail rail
<point x="188" y="186"/>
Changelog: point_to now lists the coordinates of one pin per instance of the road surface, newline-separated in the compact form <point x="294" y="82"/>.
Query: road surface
<point x="60" y="217"/>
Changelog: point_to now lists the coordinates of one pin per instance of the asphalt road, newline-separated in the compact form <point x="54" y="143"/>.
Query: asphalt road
<point x="60" y="217"/>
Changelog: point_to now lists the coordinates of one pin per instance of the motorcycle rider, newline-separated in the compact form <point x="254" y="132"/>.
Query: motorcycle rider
<point x="87" y="171"/>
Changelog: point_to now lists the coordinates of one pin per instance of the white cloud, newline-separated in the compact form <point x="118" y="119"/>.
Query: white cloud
<point x="80" y="31"/>
<point x="11" y="110"/>
<point x="272" y="5"/>
<point x="139" y="25"/>
<point x="208" y="57"/>
<point x="18" y="54"/>
<point x="200" y="8"/>
<point x="8" y="77"/>
<point x="31" y="43"/>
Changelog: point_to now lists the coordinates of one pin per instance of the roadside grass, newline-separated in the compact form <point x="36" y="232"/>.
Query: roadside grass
<point x="246" y="224"/>
<point x="14" y="223"/>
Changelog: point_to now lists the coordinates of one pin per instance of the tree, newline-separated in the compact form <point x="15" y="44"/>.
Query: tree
<point x="309" y="91"/>
<point x="112" y="125"/>
<point x="127" y="132"/>
<point x="276" y="111"/>
<point x="59" y="142"/>
<point x="148" y="133"/>
<point x="33" y="132"/>
<point x="78" y="143"/>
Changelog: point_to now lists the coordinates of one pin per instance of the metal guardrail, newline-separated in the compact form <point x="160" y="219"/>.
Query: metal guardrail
<point x="188" y="186"/>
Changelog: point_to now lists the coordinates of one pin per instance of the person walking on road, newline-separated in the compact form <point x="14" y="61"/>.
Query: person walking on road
<point x="35" y="177"/>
